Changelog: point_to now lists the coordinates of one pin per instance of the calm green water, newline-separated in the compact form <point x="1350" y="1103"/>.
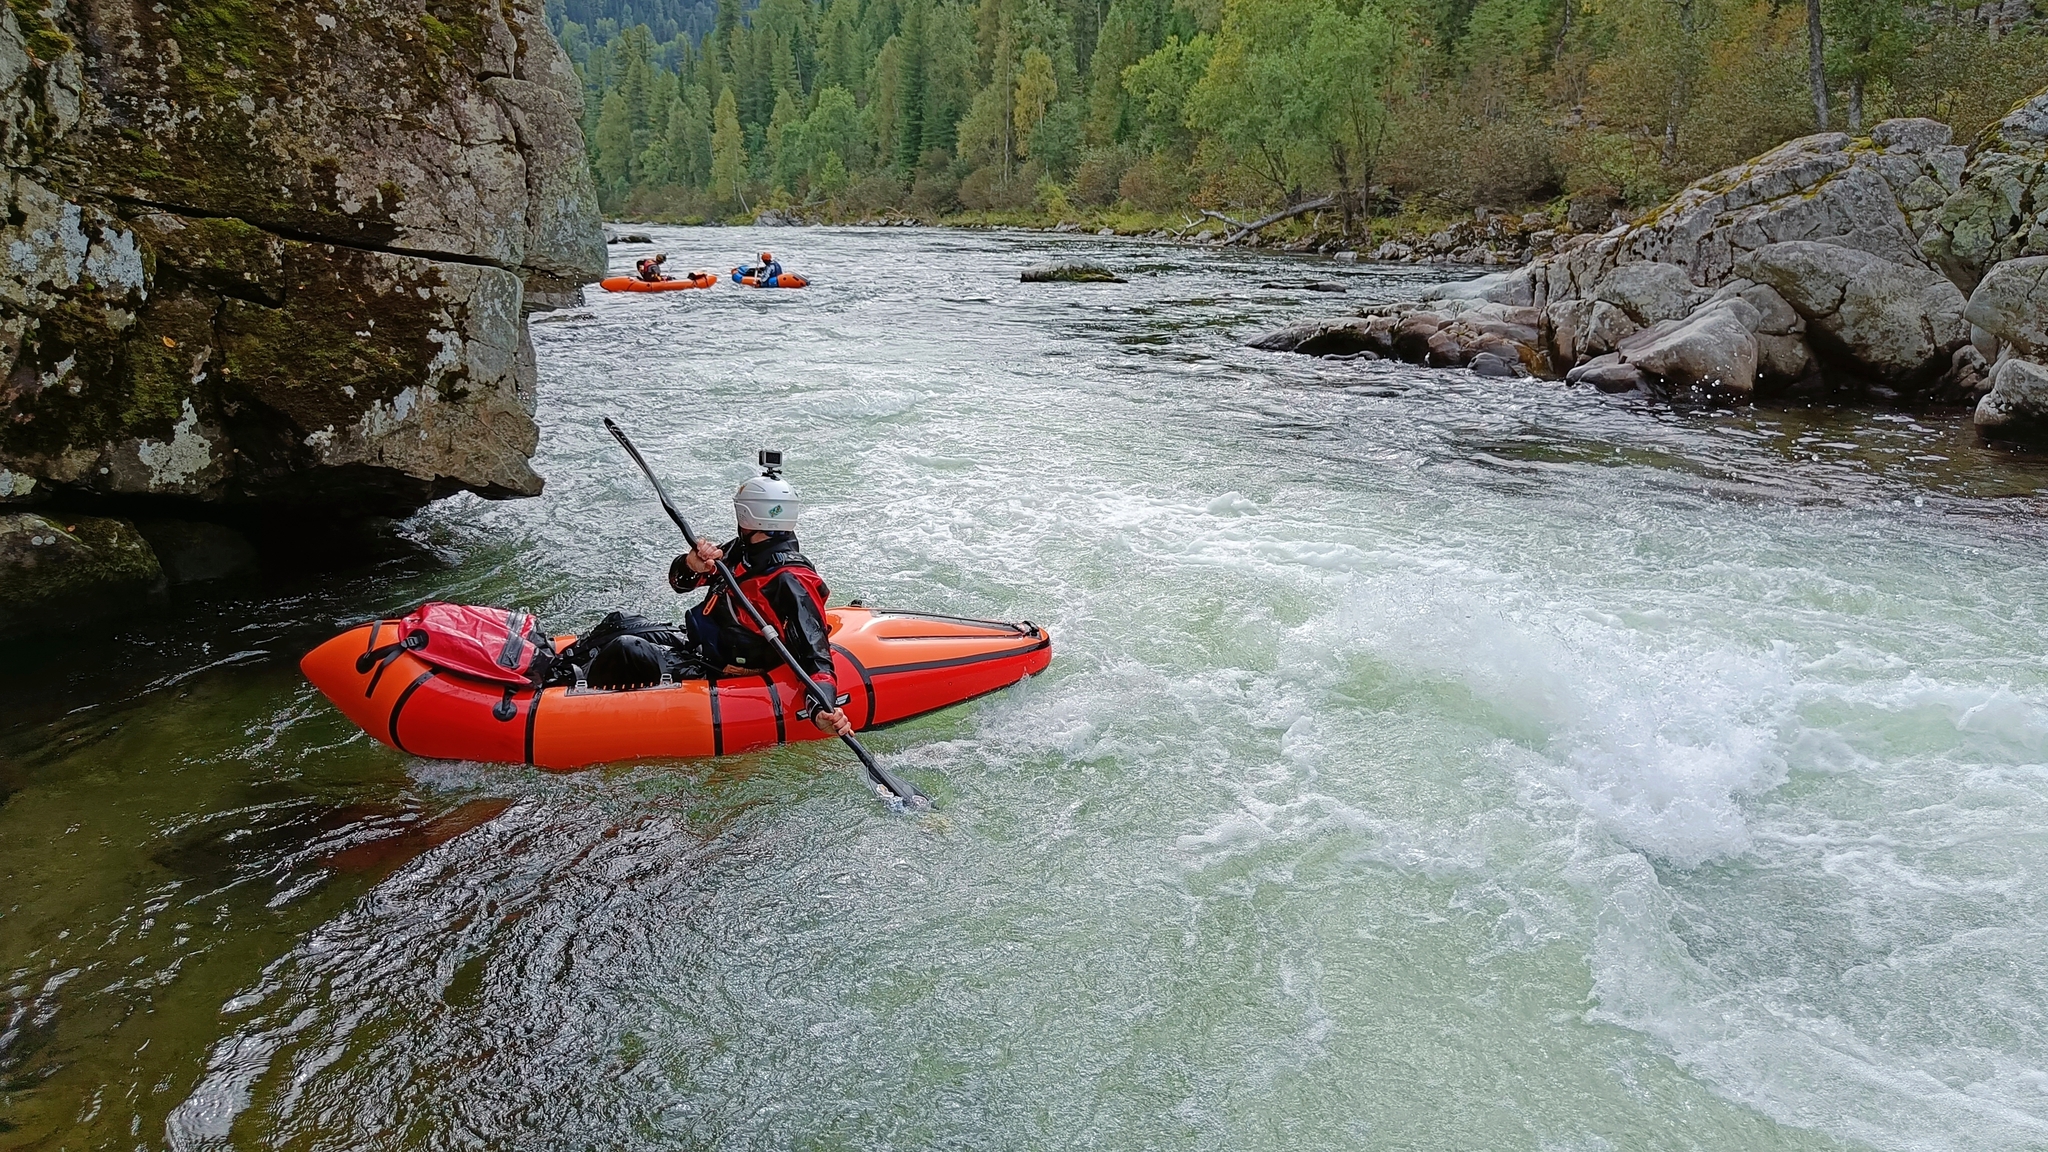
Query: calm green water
<point x="1426" y="764"/>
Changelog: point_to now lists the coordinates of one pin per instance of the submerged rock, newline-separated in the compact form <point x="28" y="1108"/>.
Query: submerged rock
<point x="1077" y="273"/>
<point x="195" y="552"/>
<point x="1323" y="338"/>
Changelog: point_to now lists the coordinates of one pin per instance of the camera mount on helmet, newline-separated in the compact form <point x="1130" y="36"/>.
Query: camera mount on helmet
<point x="770" y="460"/>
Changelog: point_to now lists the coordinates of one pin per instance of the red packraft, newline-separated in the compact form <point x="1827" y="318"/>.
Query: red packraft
<point x="500" y="644"/>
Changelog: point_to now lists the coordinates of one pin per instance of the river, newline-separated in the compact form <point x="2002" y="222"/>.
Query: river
<point x="1426" y="763"/>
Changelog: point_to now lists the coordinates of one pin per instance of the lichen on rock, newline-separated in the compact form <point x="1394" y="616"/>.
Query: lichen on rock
<point x="269" y="253"/>
<point x="63" y="569"/>
<point x="1831" y="264"/>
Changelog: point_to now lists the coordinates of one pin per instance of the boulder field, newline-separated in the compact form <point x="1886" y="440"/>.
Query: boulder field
<point x="270" y="261"/>
<point x="1898" y="267"/>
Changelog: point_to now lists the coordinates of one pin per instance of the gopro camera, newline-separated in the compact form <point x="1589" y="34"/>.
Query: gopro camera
<point x="770" y="460"/>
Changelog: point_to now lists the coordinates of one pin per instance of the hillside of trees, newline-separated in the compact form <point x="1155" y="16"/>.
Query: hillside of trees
<point x="703" y="108"/>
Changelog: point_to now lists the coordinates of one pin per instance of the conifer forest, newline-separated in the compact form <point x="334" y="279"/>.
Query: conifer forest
<point x="1025" y="109"/>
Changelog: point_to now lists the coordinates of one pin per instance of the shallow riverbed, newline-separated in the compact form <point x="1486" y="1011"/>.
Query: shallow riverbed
<point x="1426" y="762"/>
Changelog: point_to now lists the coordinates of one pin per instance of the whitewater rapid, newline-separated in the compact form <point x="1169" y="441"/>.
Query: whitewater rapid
<point x="1426" y="761"/>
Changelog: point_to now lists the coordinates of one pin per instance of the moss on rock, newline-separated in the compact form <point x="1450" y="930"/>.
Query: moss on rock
<point x="55" y="570"/>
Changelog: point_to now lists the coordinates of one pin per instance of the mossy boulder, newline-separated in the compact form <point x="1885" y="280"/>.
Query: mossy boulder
<point x="2000" y="212"/>
<point x="278" y="253"/>
<point x="57" y="571"/>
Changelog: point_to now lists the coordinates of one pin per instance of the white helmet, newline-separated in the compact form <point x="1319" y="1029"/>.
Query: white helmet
<point x="767" y="504"/>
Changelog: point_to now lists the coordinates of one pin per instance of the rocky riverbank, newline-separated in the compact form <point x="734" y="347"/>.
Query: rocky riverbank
<point x="269" y="266"/>
<point x="1487" y="237"/>
<point x="1898" y="267"/>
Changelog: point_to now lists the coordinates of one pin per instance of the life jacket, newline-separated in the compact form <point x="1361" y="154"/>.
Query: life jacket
<point x="649" y="270"/>
<point x="754" y="572"/>
<point x="497" y="644"/>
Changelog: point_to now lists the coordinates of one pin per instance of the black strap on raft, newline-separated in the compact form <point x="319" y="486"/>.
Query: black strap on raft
<point x="382" y="657"/>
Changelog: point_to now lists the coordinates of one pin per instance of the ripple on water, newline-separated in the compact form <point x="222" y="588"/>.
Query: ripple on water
<point x="1428" y="762"/>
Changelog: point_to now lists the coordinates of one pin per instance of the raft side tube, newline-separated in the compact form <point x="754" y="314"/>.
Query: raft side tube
<point x="891" y="667"/>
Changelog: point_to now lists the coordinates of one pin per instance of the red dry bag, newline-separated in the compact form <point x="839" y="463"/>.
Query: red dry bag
<point x="498" y="644"/>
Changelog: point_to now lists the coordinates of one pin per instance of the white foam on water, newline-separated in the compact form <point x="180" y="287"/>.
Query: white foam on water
<point x="1716" y="810"/>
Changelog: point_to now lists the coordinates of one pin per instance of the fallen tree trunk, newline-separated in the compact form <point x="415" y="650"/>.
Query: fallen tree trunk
<point x="1244" y="229"/>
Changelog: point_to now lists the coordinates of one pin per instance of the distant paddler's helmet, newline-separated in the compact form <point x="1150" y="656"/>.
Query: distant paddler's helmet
<point x="767" y="257"/>
<point x="767" y="503"/>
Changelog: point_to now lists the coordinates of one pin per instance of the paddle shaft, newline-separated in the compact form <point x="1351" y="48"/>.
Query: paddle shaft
<point x="901" y="789"/>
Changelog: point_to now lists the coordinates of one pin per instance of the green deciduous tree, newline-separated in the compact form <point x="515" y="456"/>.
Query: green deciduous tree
<point x="1294" y="89"/>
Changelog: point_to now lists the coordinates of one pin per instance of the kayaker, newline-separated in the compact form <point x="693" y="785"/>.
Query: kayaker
<point x="766" y="271"/>
<point x="650" y="268"/>
<point x="776" y="578"/>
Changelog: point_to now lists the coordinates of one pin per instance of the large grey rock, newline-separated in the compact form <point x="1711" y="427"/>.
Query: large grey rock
<point x="1814" y="250"/>
<point x="1897" y="324"/>
<point x="1610" y="373"/>
<point x="1711" y="352"/>
<point x="1999" y="210"/>
<point x="282" y="257"/>
<point x="1912" y="135"/>
<point x="2017" y="404"/>
<point x="1516" y="289"/>
<point x="1563" y="330"/>
<point x="56" y="571"/>
<point x="1774" y="315"/>
<point x="1607" y="325"/>
<point x="1649" y="291"/>
<point x="1829" y="188"/>
<point x="1783" y="357"/>
<point x="2011" y="303"/>
<point x="1323" y="338"/>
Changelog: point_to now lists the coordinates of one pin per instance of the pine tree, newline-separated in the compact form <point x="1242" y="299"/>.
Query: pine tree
<point x="613" y="148"/>
<point x="908" y="135"/>
<point x="728" y="151"/>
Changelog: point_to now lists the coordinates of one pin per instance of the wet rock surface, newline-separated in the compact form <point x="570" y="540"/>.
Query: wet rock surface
<point x="56" y="571"/>
<point x="1074" y="273"/>
<point x="2017" y="404"/>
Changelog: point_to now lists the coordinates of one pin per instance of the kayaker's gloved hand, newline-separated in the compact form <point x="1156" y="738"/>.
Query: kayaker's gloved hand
<point x="704" y="557"/>
<point x="686" y="573"/>
<point x="833" y="723"/>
